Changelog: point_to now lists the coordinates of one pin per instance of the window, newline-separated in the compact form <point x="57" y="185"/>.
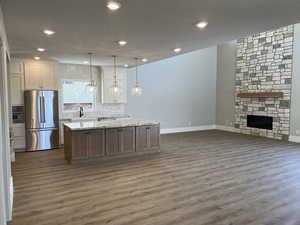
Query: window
<point x="75" y="95"/>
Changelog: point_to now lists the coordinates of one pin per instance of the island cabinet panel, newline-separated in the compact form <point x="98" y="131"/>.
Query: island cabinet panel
<point x="79" y="145"/>
<point x="84" y="144"/>
<point x="96" y="143"/>
<point x="120" y="140"/>
<point x="113" y="142"/>
<point x="147" y="138"/>
<point x="128" y="139"/>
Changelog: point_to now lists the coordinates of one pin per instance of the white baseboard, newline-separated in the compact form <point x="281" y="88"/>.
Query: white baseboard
<point x="294" y="139"/>
<point x="187" y="129"/>
<point x="226" y="128"/>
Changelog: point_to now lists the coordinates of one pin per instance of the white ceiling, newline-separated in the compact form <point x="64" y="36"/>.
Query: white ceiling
<point x="151" y="27"/>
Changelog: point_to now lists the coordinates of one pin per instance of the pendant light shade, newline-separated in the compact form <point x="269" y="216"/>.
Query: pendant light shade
<point x="115" y="88"/>
<point x="136" y="89"/>
<point x="91" y="87"/>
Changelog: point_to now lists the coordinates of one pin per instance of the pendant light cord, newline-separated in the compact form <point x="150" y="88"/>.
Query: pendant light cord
<point x="91" y="75"/>
<point x="136" y="71"/>
<point x="115" y="70"/>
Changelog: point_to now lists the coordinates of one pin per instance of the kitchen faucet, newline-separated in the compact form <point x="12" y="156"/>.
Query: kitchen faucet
<point x="81" y="114"/>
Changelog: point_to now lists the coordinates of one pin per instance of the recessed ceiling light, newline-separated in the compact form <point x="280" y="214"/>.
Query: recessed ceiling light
<point x="37" y="57"/>
<point x="48" y="32"/>
<point x="122" y="43"/>
<point x="126" y="65"/>
<point x="113" y="5"/>
<point x="41" y="49"/>
<point x="201" y="25"/>
<point x="177" y="50"/>
<point x="86" y="62"/>
<point x="145" y="60"/>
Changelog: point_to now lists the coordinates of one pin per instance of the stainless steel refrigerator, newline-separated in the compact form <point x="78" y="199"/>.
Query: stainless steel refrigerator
<point x="41" y="120"/>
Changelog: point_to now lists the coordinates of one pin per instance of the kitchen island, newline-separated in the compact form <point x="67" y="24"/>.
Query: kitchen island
<point x="110" y="139"/>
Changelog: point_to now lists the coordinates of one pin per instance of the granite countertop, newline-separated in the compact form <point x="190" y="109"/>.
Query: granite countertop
<point x="90" y="125"/>
<point x="101" y="116"/>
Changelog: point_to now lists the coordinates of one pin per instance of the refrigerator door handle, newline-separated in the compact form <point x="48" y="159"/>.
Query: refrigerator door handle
<point x="43" y="106"/>
<point x="41" y="109"/>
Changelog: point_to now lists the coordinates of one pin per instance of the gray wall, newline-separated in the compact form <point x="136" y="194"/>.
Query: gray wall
<point x="178" y="91"/>
<point x="295" y="106"/>
<point x="225" y="84"/>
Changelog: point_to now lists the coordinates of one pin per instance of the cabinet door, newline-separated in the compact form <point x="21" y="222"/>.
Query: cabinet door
<point x="142" y="138"/>
<point x="113" y="142"/>
<point x="17" y="88"/>
<point x="154" y="137"/>
<point x="16" y="67"/>
<point x="96" y="143"/>
<point x="40" y="75"/>
<point x="79" y="145"/>
<point x="147" y="138"/>
<point x="128" y="139"/>
<point x="33" y="76"/>
<point x="120" y="140"/>
<point x="49" y="81"/>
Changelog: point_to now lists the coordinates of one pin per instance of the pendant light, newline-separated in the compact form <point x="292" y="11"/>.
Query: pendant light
<point x="115" y="89"/>
<point x="91" y="87"/>
<point x="136" y="89"/>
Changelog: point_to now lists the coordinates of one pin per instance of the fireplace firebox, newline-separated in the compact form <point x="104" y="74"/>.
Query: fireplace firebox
<point x="261" y="122"/>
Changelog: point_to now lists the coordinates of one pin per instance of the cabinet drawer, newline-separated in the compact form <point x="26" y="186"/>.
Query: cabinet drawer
<point x="19" y="143"/>
<point x="19" y="131"/>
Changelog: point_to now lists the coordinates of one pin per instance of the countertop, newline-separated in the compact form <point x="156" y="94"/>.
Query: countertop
<point x="95" y="118"/>
<point x="89" y="125"/>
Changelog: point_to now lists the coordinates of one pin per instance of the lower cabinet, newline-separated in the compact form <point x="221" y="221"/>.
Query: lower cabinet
<point x="99" y="143"/>
<point x="147" y="138"/>
<point x="120" y="140"/>
<point x="80" y="145"/>
<point x="96" y="143"/>
<point x="87" y="144"/>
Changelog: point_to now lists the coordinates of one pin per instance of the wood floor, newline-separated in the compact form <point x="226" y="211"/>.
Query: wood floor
<point x="199" y="178"/>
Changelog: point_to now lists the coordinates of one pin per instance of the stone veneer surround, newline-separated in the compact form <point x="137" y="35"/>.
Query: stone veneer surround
<point x="264" y="64"/>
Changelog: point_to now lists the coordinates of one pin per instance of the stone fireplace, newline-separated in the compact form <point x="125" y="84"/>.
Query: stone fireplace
<point x="263" y="83"/>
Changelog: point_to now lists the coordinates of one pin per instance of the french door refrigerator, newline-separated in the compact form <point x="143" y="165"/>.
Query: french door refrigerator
<point x="41" y="120"/>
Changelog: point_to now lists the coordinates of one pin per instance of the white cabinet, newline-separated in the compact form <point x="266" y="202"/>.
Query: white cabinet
<point x="40" y="75"/>
<point x="16" y="66"/>
<point x="17" y="89"/>
<point x="108" y="81"/>
<point x="16" y="80"/>
<point x="19" y="136"/>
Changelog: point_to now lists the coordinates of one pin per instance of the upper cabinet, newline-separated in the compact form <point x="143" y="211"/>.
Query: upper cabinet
<point x="107" y="79"/>
<point x="16" y="67"/>
<point x="30" y="74"/>
<point x="16" y="79"/>
<point x="40" y="75"/>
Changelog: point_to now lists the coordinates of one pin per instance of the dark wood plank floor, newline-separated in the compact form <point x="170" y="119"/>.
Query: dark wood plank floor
<point x="199" y="178"/>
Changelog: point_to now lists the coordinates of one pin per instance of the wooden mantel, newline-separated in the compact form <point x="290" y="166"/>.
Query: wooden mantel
<point x="260" y="94"/>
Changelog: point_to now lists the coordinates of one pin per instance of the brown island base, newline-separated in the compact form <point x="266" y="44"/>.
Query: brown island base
<point x="110" y="139"/>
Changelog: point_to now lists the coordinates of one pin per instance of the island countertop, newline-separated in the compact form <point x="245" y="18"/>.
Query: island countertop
<point x="90" y="125"/>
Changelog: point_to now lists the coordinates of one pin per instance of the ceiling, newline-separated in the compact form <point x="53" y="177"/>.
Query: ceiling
<point x="152" y="28"/>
